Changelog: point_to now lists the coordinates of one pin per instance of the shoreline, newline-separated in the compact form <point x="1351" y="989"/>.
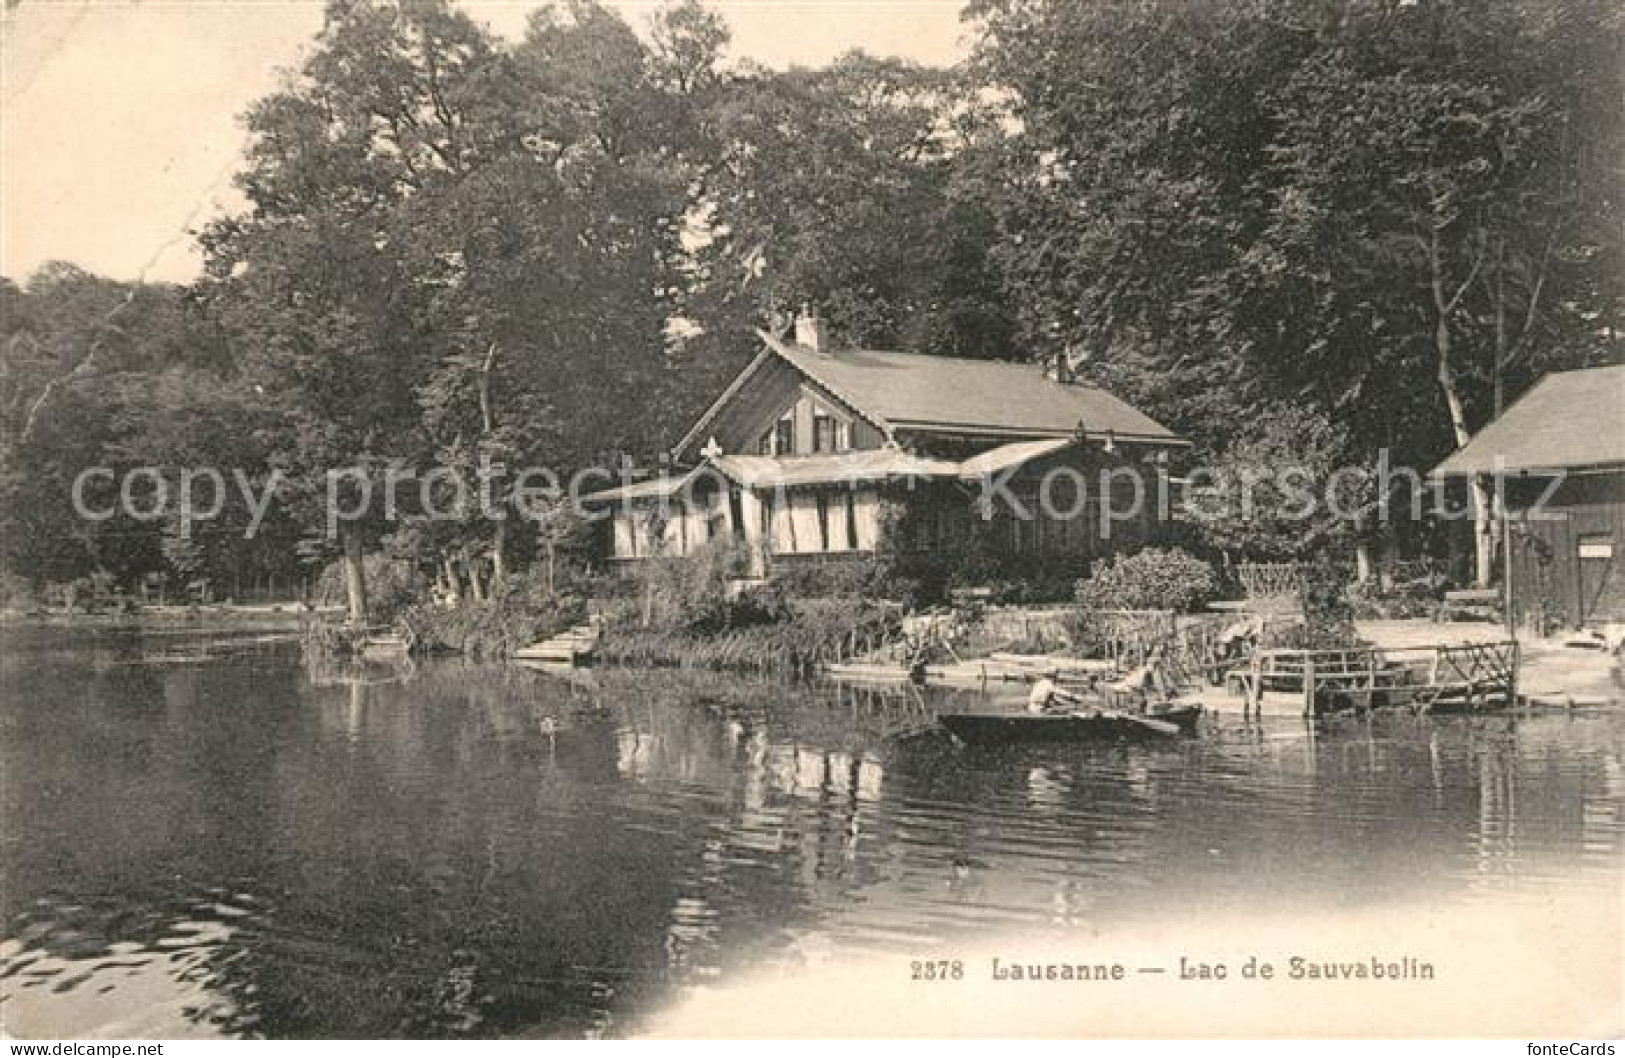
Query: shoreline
<point x="212" y="618"/>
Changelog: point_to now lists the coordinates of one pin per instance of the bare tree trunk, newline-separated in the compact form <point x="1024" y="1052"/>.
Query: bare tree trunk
<point x="1483" y="540"/>
<point x="355" y="576"/>
<point x="1362" y="561"/>
<point x="1498" y="372"/>
<point x="499" y="557"/>
<point x="488" y="425"/>
<point x="487" y="416"/>
<point x="454" y="583"/>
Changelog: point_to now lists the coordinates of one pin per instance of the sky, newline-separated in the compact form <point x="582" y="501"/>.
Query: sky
<point x="119" y="119"/>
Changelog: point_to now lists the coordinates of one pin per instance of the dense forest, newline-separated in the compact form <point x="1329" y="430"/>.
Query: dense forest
<point x="1311" y="230"/>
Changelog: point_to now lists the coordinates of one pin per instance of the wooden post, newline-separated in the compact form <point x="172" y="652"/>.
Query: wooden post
<point x="1255" y="685"/>
<point x="1512" y="675"/>
<point x="1507" y="586"/>
<point x="1309" y="683"/>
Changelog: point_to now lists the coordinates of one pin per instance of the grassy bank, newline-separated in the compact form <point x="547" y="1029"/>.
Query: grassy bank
<point x="491" y="629"/>
<point x="693" y="613"/>
<point x="808" y="634"/>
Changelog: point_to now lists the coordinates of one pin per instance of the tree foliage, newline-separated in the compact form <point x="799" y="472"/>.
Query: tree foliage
<point x="1301" y="232"/>
<point x="1233" y="205"/>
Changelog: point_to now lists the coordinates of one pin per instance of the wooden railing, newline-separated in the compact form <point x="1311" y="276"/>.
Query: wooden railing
<point x="1428" y="678"/>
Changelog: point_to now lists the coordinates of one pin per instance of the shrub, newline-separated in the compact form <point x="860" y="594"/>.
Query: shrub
<point x="331" y="639"/>
<point x="696" y="594"/>
<point x="798" y="641"/>
<point x="491" y="629"/>
<point x="1328" y="615"/>
<point x="855" y="577"/>
<point x="16" y="593"/>
<point x="392" y="585"/>
<point x="1371" y="602"/>
<point x="1150" y="579"/>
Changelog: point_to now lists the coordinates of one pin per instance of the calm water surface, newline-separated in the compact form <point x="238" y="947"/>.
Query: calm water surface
<point x="204" y="836"/>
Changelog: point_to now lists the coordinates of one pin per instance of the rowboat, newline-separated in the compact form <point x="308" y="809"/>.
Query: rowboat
<point x="1079" y="725"/>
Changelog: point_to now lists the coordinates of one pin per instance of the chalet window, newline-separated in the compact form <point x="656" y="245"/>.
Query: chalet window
<point x="851" y="519"/>
<point x="823" y="433"/>
<point x="765" y="445"/>
<point x="784" y="437"/>
<point x="1595" y="546"/>
<point x="823" y="521"/>
<point x="843" y="436"/>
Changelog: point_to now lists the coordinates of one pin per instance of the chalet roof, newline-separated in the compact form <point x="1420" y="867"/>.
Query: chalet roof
<point x="949" y="394"/>
<point x="940" y="394"/>
<point x="1567" y="421"/>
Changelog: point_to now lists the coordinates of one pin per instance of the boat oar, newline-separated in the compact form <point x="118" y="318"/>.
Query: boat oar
<point x="1161" y="727"/>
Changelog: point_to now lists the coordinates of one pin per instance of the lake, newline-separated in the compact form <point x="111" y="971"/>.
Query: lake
<point x="207" y="836"/>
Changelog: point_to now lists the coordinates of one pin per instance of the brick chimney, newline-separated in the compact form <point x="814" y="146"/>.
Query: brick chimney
<point x="810" y="330"/>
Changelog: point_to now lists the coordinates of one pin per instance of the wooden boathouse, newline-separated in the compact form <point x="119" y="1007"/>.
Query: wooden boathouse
<point x="1557" y="456"/>
<point x="813" y="453"/>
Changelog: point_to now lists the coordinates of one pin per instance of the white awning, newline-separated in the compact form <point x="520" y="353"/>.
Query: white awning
<point x="1011" y="455"/>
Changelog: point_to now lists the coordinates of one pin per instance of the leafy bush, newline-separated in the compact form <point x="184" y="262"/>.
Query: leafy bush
<point x="1151" y="579"/>
<point x="16" y="593"/>
<point x="931" y="575"/>
<point x="1371" y="602"/>
<point x="1255" y="504"/>
<point x="492" y="629"/>
<point x="806" y="635"/>
<point x="332" y="639"/>
<point x="392" y="585"/>
<point x="855" y="577"/>
<point x="1328" y="615"/>
<point x="696" y="594"/>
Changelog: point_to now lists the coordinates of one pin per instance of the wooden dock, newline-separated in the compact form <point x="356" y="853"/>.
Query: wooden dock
<point x="385" y="645"/>
<point x="570" y="647"/>
<point x="1471" y="677"/>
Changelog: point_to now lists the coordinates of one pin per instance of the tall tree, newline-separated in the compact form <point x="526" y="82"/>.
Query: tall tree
<point x="312" y="281"/>
<point x="1437" y="204"/>
<point x="839" y="187"/>
<point x="77" y="353"/>
<point x="1370" y="208"/>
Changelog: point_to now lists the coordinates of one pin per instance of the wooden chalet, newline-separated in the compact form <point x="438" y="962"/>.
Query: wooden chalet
<point x="1558" y="457"/>
<point x="814" y="453"/>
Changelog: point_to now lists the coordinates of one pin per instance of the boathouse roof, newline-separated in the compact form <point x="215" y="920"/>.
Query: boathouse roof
<point x="1569" y="420"/>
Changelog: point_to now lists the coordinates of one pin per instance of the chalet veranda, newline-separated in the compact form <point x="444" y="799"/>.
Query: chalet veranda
<point x="817" y="453"/>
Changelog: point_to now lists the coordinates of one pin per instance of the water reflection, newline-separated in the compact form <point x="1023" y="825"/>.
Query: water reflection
<point x="250" y="845"/>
